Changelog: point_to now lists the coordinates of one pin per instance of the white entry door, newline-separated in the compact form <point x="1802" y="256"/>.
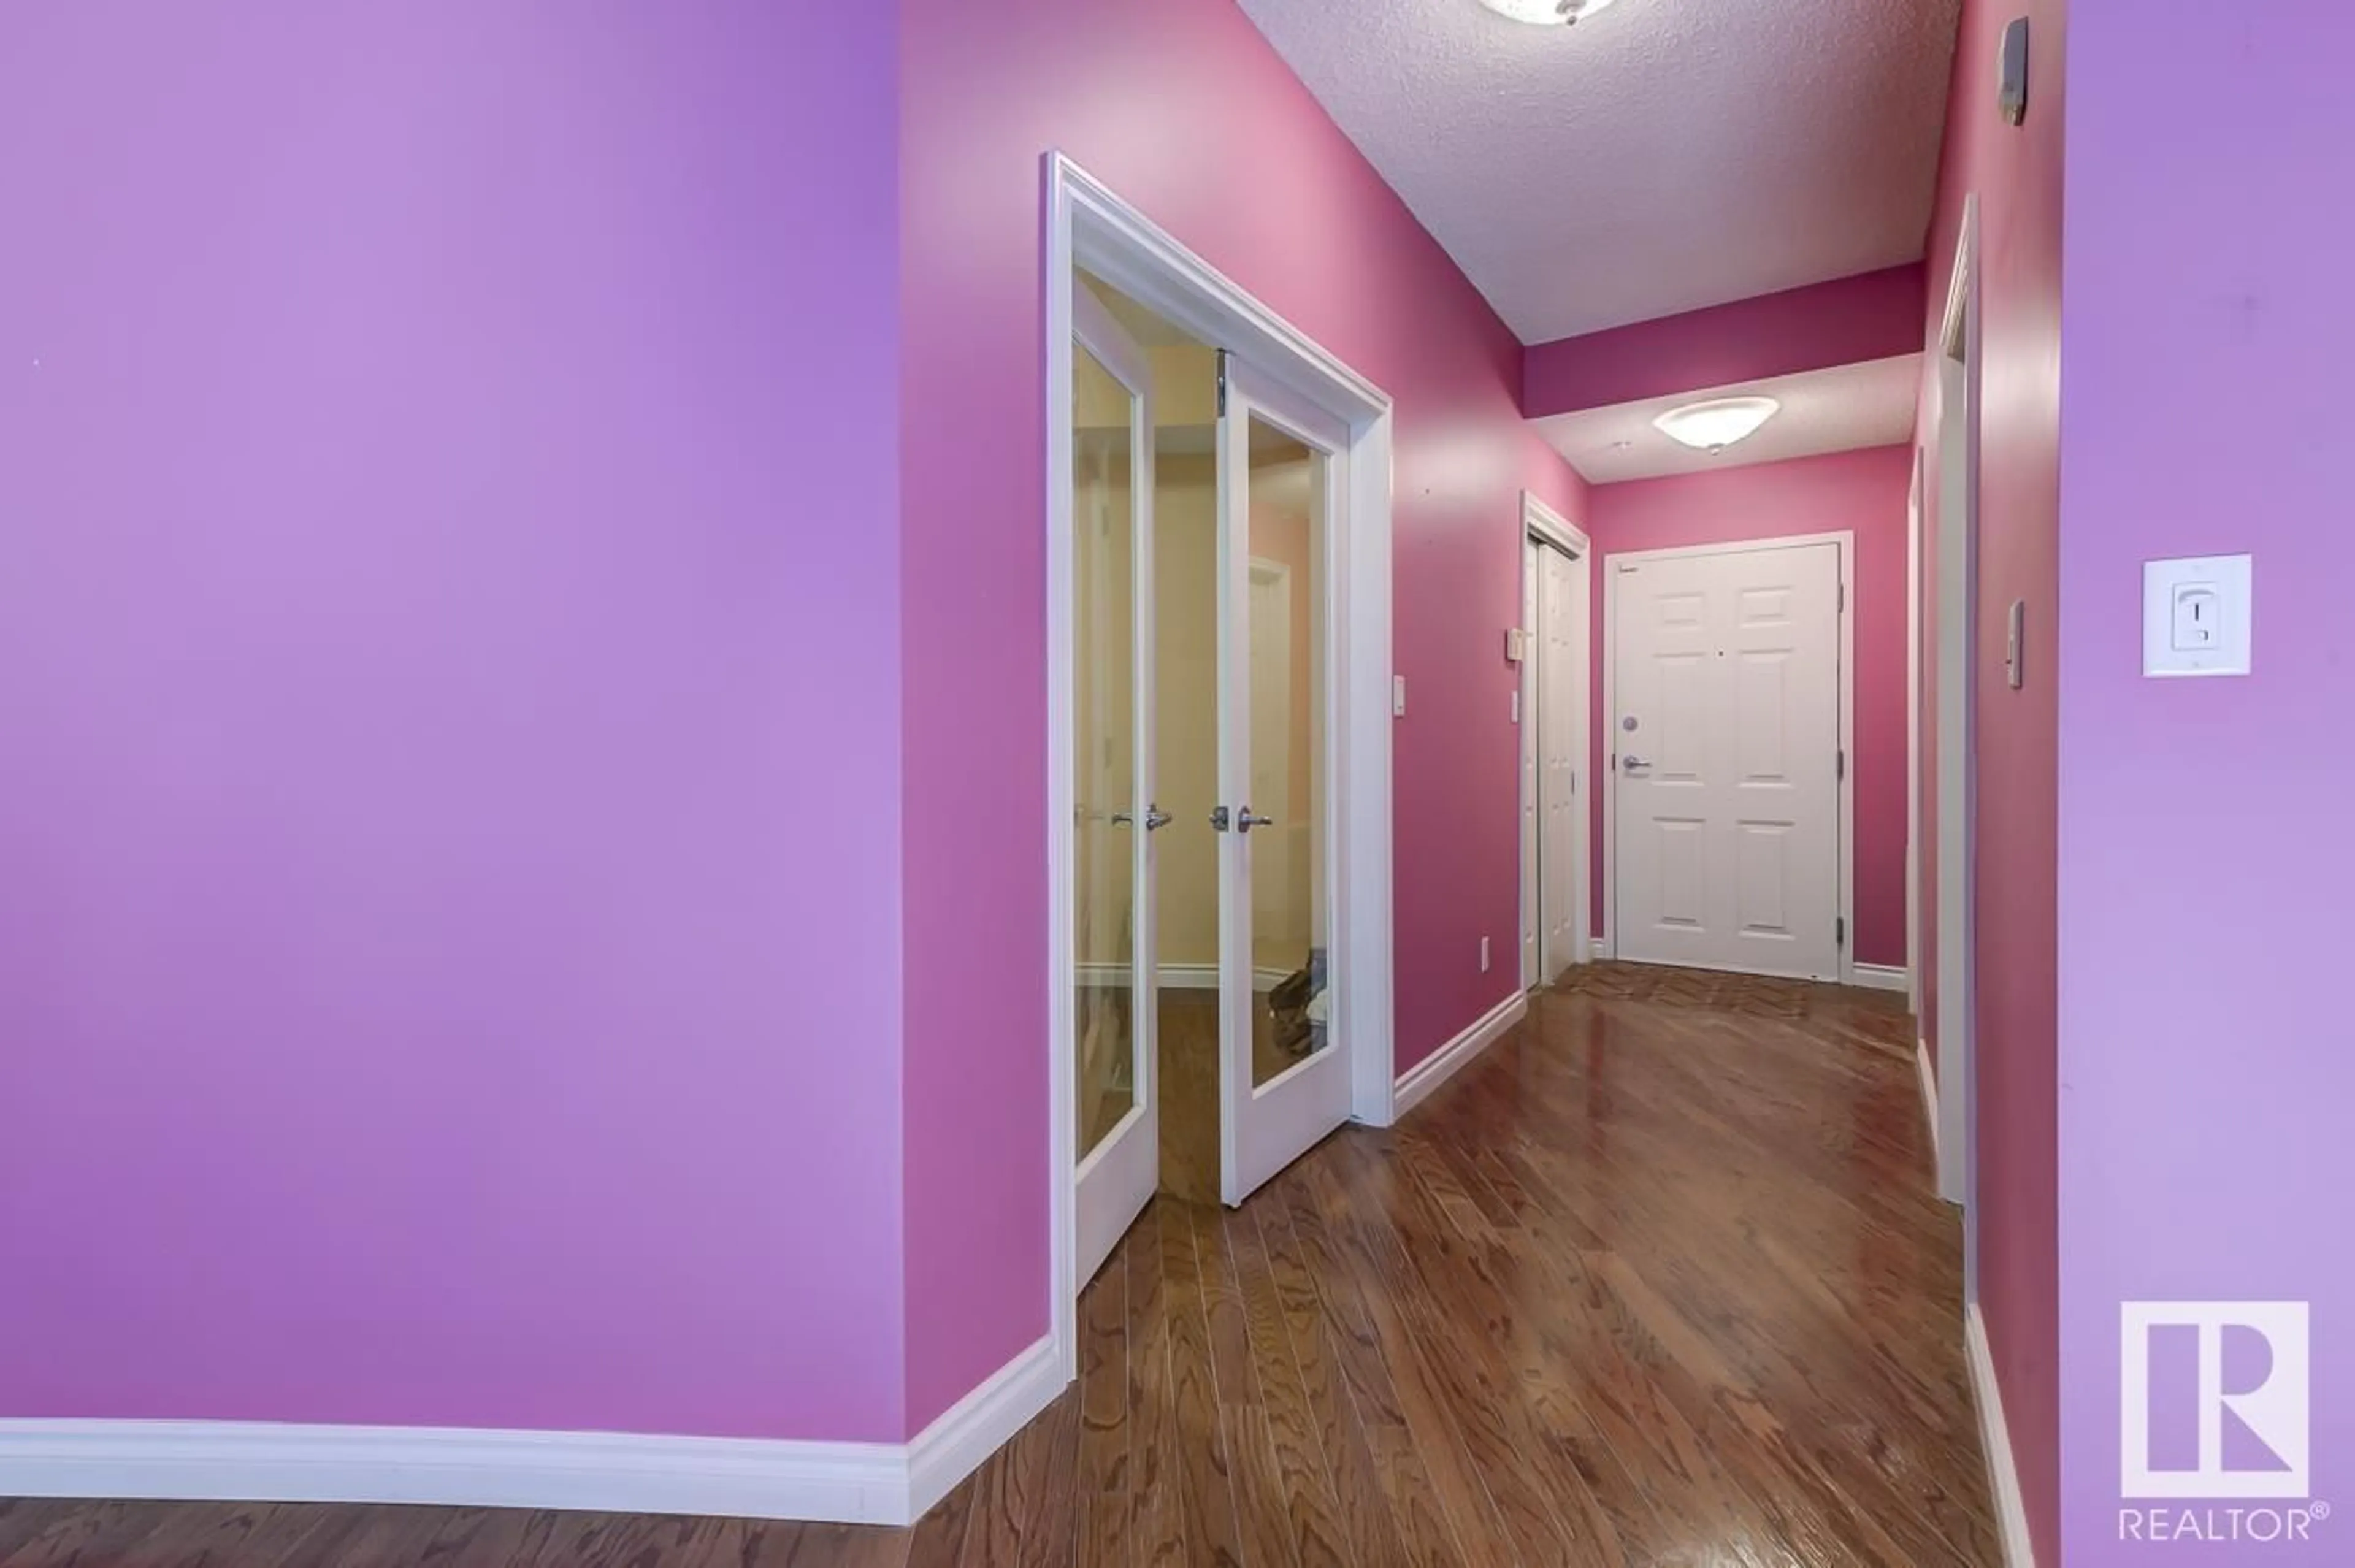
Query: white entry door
<point x="1112" y="679"/>
<point x="1725" y="735"/>
<point x="1284" y="1082"/>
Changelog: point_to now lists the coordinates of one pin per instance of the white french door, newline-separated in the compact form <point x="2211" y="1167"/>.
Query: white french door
<point x="1725" y="732"/>
<point x="1115" y="815"/>
<point x="1282" y="489"/>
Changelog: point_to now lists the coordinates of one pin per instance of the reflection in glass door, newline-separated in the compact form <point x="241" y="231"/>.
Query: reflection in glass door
<point x="1286" y="1086"/>
<point x="1113" y="767"/>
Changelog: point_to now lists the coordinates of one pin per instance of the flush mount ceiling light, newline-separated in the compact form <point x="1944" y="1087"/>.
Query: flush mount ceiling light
<point x="1546" y="13"/>
<point x="1713" y="426"/>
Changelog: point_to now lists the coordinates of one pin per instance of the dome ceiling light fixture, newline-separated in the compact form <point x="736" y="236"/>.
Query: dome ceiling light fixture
<point x="1546" y="13"/>
<point x="1713" y="426"/>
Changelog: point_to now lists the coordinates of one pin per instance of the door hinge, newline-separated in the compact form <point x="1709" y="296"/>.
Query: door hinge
<point x="1840" y="931"/>
<point x="1840" y="767"/>
<point x="1843" y="596"/>
<point x="1222" y="383"/>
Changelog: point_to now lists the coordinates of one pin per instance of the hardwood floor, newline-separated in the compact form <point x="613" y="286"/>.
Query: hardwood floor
<point x="1659" y="1279"/>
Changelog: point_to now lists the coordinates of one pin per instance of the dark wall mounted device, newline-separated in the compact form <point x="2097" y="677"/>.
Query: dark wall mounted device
<point x="2011" y="92"/>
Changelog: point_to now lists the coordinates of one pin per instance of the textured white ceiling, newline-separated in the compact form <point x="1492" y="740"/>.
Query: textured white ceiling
<point x="1838" y="409"/>
<point x="1659" y="157"/>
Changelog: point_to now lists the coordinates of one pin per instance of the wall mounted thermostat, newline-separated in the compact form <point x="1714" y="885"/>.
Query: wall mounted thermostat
<point x="2196" y="616"/>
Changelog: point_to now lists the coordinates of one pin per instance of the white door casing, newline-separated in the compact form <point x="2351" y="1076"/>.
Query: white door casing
<point x="1914" y="520"/>
<point x="1728" y="729"/>
<point x="1957" y="654"/>
<point x="1527" y="715"/>
<point x="1116" y="1178"/>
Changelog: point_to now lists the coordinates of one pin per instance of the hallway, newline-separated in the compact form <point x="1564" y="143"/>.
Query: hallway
<point x="1658" y="1279"/>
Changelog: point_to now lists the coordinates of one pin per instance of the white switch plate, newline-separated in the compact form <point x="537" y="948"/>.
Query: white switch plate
<point x="1398" y="696"/>
<point x="2196" y="615"/>
<point x="1483" y="955"/>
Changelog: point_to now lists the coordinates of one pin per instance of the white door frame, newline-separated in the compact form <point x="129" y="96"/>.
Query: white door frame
<point x="1915" y="510"/>
<point x="1525" y="785"/>
<point x="1088" y="226"/>
<point x="1542" y="525"/>
<point x="1845" y="879"/>
<point x="1958" y="368"/>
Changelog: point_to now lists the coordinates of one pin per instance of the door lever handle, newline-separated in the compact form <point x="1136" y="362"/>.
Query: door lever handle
<point x="1245" y="821"/>
<point x="1634" y="765"/>
<point x="1154" y="817"/>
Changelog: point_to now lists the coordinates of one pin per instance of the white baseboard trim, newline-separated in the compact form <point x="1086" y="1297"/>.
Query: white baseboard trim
<point x="977" y="1425"/>
<point x="1995" y="1436"/>
<point x="1416" y="1082"/>
<point x="261" y="1461"/>
<point x="1878" y="976"/>
<point x="1929" y="1098"/>
<point x="1178" y="976"/>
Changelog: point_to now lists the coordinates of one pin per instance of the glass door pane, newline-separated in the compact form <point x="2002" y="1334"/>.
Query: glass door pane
<point x="1285" y="608"/>
<point x="1110" y="672"/>
<point x="1104" y="733"/>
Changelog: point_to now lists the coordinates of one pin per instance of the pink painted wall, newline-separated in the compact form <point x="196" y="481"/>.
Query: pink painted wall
<point x="1864" y="491"/>
<point x="1182" y="107"/>
<point x="2204" y="1154"/>
<point x="448" y="449"/>
<point x="2017" y="174"/>
<point x="1872" y="315"/>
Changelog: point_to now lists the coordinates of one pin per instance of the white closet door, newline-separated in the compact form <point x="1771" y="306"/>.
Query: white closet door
<point x="1533" y="906"/>
<point x="1562" y="659"/>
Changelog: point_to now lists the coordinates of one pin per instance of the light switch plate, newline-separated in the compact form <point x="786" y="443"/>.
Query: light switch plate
<point x="2196" y="616"/>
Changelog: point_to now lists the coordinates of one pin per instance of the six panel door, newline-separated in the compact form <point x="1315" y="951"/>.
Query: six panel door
<point x="1725" y="733"/>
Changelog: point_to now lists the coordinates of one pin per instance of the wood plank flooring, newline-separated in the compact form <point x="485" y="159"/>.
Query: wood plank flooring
<point x="1658" y="1280"/>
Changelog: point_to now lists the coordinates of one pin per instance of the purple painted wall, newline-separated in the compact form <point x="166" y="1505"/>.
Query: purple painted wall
<point x="1864" y="491"/>
<point x="449" y="939"/>
<point x="1184" y="109"/>
<point x="1872" y="315"/>
<point x="2203" y="1039"/>
<point x="2017" y="175"/>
